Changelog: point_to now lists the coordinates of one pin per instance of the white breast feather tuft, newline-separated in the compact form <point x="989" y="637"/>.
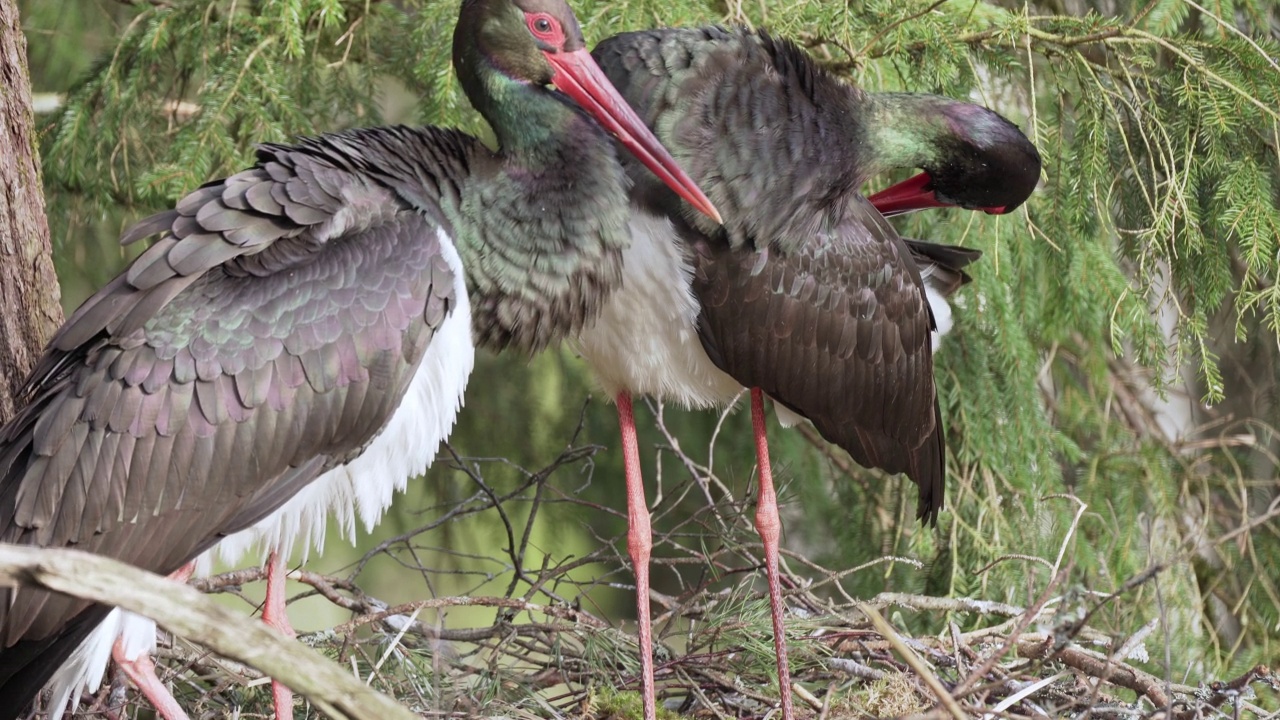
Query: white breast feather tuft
<point x="941" y="313"/>
<point x="645" y="339"/>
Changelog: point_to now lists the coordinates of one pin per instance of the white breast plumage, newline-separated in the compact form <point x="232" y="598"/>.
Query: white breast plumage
<point x="645" y="339"/>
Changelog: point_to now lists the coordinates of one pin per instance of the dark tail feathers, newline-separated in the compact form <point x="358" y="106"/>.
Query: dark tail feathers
<point x="942" y="264"/>
<point x="27" y="666"/>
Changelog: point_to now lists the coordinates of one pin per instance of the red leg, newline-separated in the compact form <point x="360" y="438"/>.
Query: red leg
<point x="142" y="671"/>
<point x="639" y="544"/>
<point x="183" y="574"/>
<point x="770" y="528"/>
<point x="274" y="614"/>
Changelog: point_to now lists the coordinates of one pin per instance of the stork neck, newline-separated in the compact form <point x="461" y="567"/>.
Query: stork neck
<point x="542" y="228"/>
<point x="905" y="130"/>
<point x="528" y="121"/>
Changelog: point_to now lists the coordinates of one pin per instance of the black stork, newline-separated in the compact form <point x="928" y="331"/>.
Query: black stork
<point x="305" y="326"/>
<point x="806" y="293"/>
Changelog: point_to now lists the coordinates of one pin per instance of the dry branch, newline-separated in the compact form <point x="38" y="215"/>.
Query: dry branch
<point x="187" y="612"/>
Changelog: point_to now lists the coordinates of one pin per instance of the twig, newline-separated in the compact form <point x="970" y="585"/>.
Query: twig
<point x="1022" y="694"/>
<point x="185" y="611"/>
<point x="1023" y="623"/>
<point x="1099" y="666"/>
<point x="900" y="21"/>
<point x="942" y="604"/>
<point x="497" y="602"/>
<point x="907" y="654"/>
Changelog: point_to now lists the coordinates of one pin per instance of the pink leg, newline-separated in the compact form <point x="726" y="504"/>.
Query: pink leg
<point x="142" y="671"/>
<point x="639" y="544"/>
<point x="273" y="614"/>
<point x="770" y="528"/>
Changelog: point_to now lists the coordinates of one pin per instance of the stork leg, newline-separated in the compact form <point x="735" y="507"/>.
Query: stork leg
<point x="769" y="525"/>
<point x="142" y="673"/>
<point x="274" y="614"/>
<point x="141" y="670"/>
<point x="639" y="545"/>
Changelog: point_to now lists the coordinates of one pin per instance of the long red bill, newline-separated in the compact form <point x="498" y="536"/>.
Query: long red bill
<point x="914" y="193"/>
<point x="578" y="76"/>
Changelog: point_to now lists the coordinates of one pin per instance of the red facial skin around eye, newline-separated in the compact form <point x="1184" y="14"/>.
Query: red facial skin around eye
<point x="553" y="37"/>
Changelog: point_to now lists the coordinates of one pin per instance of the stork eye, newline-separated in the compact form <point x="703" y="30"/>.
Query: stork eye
<point x="547" y="29"/>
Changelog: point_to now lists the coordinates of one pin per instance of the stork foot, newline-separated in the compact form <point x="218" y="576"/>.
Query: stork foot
<point x="275" y="615"/>
<point x="769" y="525"/>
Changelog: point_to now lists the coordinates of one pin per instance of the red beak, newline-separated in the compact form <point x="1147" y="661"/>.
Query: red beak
<point x="578" y="76"/>
<point x="914" y="193"/>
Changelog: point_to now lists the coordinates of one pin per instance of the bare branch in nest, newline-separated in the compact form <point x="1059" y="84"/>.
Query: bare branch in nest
<point x="185" y="611"/>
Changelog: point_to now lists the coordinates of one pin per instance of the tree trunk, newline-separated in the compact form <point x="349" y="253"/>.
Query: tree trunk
<point x="30" y="308"/>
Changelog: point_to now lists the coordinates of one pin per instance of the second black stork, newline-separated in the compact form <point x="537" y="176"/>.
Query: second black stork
<point x="806" y="294"/>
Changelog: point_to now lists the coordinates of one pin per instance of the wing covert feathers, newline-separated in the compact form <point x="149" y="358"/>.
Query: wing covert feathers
<point x="266" y="336"/>
<point x="837" y="331"/>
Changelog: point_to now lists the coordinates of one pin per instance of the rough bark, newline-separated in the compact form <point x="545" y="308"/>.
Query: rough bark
<point x="30" y="308"/>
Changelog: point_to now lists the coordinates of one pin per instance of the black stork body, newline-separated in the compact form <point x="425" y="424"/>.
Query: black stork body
<point x="806" y="293"/>
<point x="305" y="326"/>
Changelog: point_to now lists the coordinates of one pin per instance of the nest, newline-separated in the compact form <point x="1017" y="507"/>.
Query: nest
<point x="543" y="649"/>
<point x="553" y="660"/>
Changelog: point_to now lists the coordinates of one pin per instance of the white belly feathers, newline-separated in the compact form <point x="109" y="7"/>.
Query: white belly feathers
<point x="645" y="339"/>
